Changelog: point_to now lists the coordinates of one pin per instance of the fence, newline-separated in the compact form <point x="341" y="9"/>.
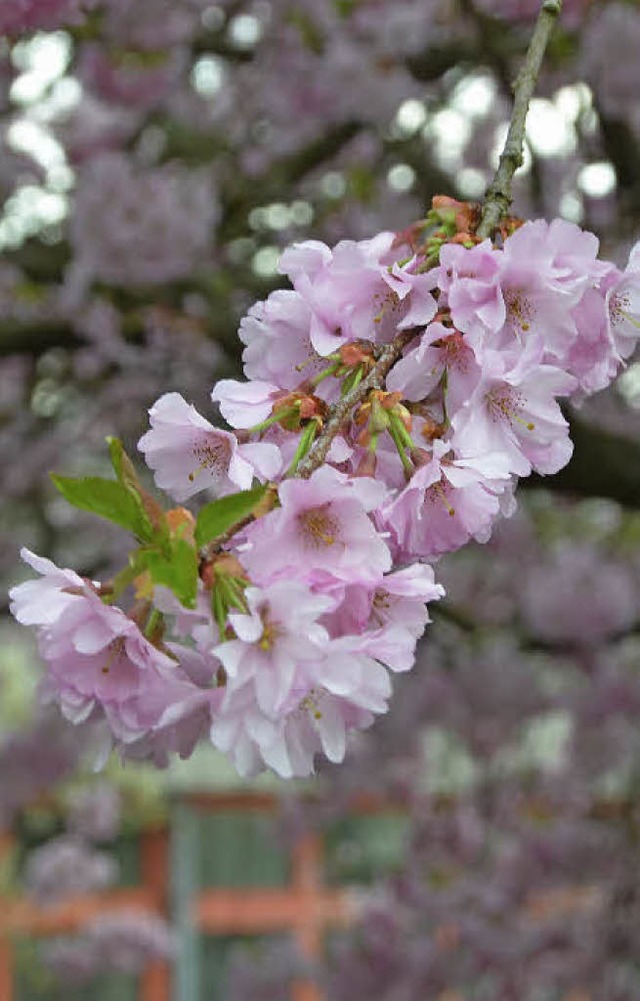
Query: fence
<point x="303" y="907"/>
<point x="291" y="897"/>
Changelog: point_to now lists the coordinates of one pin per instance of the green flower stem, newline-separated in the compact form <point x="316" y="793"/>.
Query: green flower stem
<point x="325" y="373"/>
<point x="400" y="444"/>
<point x="398" y="425"/>
<point x="305" y="443"/>
<point x="274" y="419"/>
<point x="154" y="624"/>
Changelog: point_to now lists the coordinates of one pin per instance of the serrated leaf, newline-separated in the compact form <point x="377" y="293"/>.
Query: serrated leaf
<point x="218" y="517"/>
<point x="108" y="499"/>
<point x="176" y="569"/>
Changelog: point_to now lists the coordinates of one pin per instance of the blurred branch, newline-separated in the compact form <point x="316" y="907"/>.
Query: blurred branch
<point x="623" y="149"/>
<point x="604" y="464"/>
<point x="36" y="338"/>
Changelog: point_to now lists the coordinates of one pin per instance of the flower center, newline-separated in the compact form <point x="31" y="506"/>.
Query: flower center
<point x="437" y="493"/>
<point x="520" y="310"/>
<point x="503" y="404"/>
<point x="380" y="604"/>
<point x="310" y="705"/>
<point x="620" y="310"/>
<point x="115" y="649"/>
<point x="270" y="631"/>
<point x="211" y="453"/>
<point x="320" y="529"/>
<point x="455" y="353"/>
<point x="387" y="302"/>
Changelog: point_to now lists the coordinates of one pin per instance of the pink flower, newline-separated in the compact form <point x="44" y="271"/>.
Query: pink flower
<point x="340" y="693"/>
<point x="40" y="602"/>
<point x="537" y="304"/>
<point x="469" y="276"/>
<point x="322" y="524"/>
<point x="188" y="454"/>
<point x="394" y="610"/>
<point x="574" y="253"/>
<point x="100" y="664"/>
<point x="279" y="632"/>
<point x="245" y="404"/>
<point x="278" y="345"/>
<point x="345" y="289"/>
<point x="414" y="290"/>
<point x="401" y="599"/>
<point x="516" y="414"/>
<point x="447" y="502"/>
<point x="439" y="350"/>
<point x="623" y="304"/>
<point x="593" y="357"/>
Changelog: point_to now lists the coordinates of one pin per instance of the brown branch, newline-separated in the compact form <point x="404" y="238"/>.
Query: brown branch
<point x="341" y="412"/>
<point x="498" y="197"/>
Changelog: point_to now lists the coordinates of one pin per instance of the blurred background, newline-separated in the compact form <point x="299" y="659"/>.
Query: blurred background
<point x="482" y="842"/>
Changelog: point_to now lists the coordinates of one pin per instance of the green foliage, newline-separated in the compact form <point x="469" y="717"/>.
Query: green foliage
<point x="108" y="499"/>
<point x="173" y="565"/>
<point x="216" y="518"/>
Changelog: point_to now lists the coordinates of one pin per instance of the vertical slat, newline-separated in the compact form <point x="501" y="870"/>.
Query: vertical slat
<point x="307" y="885"/>
<point x="6" y="950"/>
<point x="155" y="983"/>
<point x="6" y="969"/>
<point x="184" y="886"/>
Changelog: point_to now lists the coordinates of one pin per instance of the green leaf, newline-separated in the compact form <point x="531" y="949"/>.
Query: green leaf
<point x="216" y="518"/>
<point x="108" y="499"/>
<point x="127" y="476"/>
<point x="176" y="569"/>
<point x="122" y="464"/>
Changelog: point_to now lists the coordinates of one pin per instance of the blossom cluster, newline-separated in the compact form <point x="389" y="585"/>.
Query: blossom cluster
<point x="394" y="395"/>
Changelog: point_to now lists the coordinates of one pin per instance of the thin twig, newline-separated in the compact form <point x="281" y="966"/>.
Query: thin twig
<point x="498" y="197"/>
<point x="342" y="411"/>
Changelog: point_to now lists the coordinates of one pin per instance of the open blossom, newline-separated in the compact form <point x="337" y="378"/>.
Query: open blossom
<point x="353" y="293"/>
<point x="446" y="502"/>
<point x="516" y="413"/>
<point x="278" y="633"/>
<point x="188" y="454"/>
<point x="322" y="524"/>
<point x="623" y="303"/>
<point x="397" y="602"/>
<point x="100" y="663"/>
<point x="41" y="601"/>
<point x="469" y="277"/>
<point x="440" y="352"/>
<point x="345" y="691"/>
<point x="337" y="285"/>
<point x="278" y="349"/>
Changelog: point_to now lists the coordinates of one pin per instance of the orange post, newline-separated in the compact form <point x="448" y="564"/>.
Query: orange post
<point x="6" y="951"/>
<point x="155" y="984"/>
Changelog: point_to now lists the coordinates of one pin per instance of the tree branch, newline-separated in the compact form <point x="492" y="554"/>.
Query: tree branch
<point x="498" y="197"/>
<point x="341" y="412"/>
